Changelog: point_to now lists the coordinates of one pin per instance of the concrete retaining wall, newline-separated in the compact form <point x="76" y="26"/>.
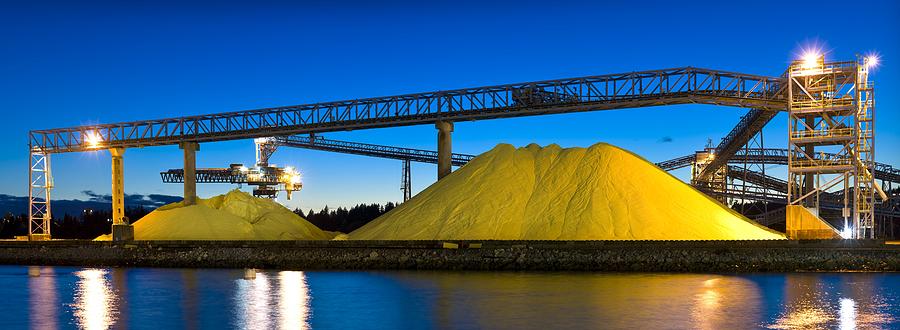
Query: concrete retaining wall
<point x="642" y="256"/>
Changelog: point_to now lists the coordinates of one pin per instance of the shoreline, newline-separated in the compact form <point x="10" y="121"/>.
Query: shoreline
<point x="613" y="256"/>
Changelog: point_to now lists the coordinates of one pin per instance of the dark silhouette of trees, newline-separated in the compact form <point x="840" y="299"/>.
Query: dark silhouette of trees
<point x="88" y="225"/>
<point x="92" y="223"/>
<point x="345" y="220"/>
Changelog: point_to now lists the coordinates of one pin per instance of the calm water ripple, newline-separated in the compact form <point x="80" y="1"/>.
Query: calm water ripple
<point x="144" y="298"/>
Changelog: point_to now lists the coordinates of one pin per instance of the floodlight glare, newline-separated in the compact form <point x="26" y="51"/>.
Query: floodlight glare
<point x="92" y="139"/>
<point x="872" y="61"/>
<point x="811" y="59"/>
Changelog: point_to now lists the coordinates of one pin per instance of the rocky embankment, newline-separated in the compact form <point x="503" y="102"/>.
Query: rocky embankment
<point x="638" y="256"/>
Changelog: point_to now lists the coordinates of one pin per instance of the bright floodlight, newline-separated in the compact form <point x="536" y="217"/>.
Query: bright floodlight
<point x="811" y="59"/>
<point x="872" y="60"/>
<point x="92" y="139"/>
<point x="847" y="232"/>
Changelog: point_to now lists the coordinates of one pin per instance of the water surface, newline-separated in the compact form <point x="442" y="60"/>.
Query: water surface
<point x="147" y="298"/>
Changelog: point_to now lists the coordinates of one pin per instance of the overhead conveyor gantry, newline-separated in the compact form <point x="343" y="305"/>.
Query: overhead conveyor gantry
<point x="765" y="96"/>
<point x="614" y="91"/>
<point x="604" y="92"/>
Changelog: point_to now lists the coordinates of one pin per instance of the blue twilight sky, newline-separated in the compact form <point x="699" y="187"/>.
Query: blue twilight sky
<point x="65" y="64"/>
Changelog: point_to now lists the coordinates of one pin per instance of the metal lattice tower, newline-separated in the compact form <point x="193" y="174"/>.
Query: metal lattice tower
<point x="40" y="182"/>
<point x="406" y="181"/>
<point x="831" y="110"/>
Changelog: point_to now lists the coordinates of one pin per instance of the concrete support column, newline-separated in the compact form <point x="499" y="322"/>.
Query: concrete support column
<point x="121" y="229"/>
<point x="190" y="171"/>
<point x="118" y="186"/>
<point x="444" y="148"/>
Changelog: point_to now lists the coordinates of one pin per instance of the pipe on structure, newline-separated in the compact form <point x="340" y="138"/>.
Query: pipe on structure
<point x="118" y="186"/>
<point x="444" y="146"/>
<point x="190" y="171"/>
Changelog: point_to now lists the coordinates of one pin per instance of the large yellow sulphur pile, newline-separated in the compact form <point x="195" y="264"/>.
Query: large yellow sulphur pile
<point x="233" y="216"/>
<point x="550" y="193"/>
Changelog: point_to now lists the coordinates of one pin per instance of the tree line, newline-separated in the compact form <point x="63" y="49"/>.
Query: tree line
<point x="345" y="220"/>
<point x="92" y="223"/>
<point x="88" y="225"/>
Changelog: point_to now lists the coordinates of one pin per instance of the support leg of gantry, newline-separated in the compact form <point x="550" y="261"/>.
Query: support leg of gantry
<point x="121" y="229"/>
<point x="445" y="129"/>
<point x="406" y="181"/>
<point x="190" y="172"/>
<point x="40" y="184"/>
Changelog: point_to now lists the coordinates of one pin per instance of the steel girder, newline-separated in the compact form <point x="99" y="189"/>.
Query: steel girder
<point x="747" y="127"/>
<point x="676" y="163"/>
<point x="883" y="172"/>
<point x="758" y="179"/>
<point x="208" y="175"/>
<point x="366" y="149"/>
<point x="604" y="92"/>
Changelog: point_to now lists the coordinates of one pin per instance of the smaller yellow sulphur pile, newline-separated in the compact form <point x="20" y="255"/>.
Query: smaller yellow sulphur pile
<point x="233" y="216"/>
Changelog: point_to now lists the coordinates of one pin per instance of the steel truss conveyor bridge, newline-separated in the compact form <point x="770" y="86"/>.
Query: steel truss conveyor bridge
<point x="605" y="92"/>
<point x="764" y="95"/>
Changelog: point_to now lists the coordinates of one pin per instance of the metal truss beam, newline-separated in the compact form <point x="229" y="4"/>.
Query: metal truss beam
<point x="749" y="125"/>
<point x="883" y="172"/>
<point x="676" y="163"/>
<point x="758" y="179"/>
<point x="210" y="175"/>
<point x="367" y="149"/>
<point x="604" y="92"/>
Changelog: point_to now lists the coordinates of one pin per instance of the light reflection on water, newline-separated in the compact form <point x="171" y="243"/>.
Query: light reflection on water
<point x="95" y="303"/>
<point x="293" y="305"/>
<point x="42" y="290"/>
<point x="258" y="305"/>
<point x="811" y="303"/>
<point x="189" y="298"/>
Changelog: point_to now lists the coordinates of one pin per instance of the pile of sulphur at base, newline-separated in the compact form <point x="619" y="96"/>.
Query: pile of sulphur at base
<point x="550" y="193"/>
<point x="233" y="216"/>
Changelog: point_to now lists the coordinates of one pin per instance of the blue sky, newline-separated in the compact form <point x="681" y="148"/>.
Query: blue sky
<point x="66" y="64"/>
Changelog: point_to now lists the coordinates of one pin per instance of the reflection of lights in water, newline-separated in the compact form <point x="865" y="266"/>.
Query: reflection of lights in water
<point x="256" y="304"/>
<point x="848" y="314"/>
<point x="707" y="305"/>
<point x="723" y="302"/>
<point x="709" y="299"/>
<point x="42" y="291"/>
<point x="253" y="302"/>
<point x="805" y="317"/>
<point x="293" y="304"/>
<point x="94" y="302"/>
<point x="818" y="314"/>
